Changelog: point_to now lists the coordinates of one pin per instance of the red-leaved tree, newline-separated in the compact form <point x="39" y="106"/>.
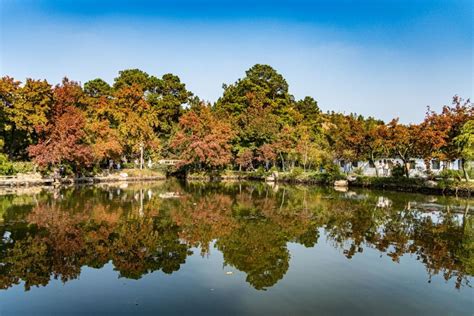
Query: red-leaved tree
<point x="202" y="140"/>
<point x="62" y="138"/>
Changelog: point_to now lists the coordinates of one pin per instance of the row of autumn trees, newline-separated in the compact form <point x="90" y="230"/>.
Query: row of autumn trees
<point x="256" y="123"/>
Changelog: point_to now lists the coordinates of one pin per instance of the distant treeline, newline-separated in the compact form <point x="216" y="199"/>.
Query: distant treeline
<point x="256" y="123"/>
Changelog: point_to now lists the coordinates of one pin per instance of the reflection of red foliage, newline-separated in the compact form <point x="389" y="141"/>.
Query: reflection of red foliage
<point x="210" y="218"/>
<point x="65" y="236"/>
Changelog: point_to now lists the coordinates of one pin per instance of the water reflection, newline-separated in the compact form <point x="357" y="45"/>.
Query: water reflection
<point x="145" y="228"/>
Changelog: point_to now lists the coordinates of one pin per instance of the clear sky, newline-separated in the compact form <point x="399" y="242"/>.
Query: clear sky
<point x="383" y="58"/>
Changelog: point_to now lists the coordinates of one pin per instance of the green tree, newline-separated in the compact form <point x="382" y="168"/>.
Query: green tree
<point x="257" y="248"/>
<point x="308" y="108"/>
<point x="129" y="77"/>
<point x="167" y="101"/>
<point x="465" y="143"/>
<point x="260" y="79"/>
<point x="97" y="88"/>
<point x="310" y="147"/>
<point x="25" y="108"/>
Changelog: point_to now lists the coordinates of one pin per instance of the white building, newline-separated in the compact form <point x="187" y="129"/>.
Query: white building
<point x="384" y="166"/>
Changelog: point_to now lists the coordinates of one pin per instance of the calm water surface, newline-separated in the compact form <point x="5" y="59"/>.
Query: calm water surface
<point x="235" y="248"/>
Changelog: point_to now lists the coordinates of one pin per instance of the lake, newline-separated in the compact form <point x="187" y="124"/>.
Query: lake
<point x="234" y="248"/>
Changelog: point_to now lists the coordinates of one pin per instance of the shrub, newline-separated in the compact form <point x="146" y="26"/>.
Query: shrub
<point x="128" y="165"/>
<point x="161" y="168"/>
<point x="6" y="166"/>
<point x="334" y="172"/>
<point x="296" y="173"/>
<point x="23" y="167"/>
<point x="470" y="172"/>
<point x="259" y="173"/>
<point x="398" y="171"/>
<point x="451" y="175"/>
<point x="328" y="175"/>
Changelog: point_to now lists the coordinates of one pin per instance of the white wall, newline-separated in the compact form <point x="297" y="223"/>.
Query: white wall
<point x="419" y="169"/>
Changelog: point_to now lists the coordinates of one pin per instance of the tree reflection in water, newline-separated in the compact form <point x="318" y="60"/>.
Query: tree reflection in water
<point x="55" y="234"/>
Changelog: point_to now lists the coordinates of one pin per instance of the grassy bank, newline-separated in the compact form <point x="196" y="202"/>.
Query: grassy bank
<point x="441" y="186"/>
<point x="296" y="176"/>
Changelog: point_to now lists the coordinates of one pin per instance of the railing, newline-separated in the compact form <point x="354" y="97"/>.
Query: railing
<point x="170" y="162"/>
<point x="7" y="177"/>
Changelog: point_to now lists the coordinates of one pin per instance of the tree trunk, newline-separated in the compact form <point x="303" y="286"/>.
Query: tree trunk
<point x="427" y="162"/>
<point x="11" y="148"/>
<point x="446" y="165"/>
<point x="282" y="162"/>
<point x="305" y="161"/>
<point x="282" y="199"/>
<point x="372" y="161"/>
<point x="141" y="156"/>
<point x="405" y="167"/>
<point x="464" y="171"/>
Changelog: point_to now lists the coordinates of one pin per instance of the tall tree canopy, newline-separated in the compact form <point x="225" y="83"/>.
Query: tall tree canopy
<point x="168" y="101"/>
<point x="97" y="88"/>
<point x="260" y="79"/>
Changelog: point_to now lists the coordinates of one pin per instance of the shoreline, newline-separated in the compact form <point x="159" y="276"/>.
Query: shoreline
<point x="451" y="191"/>
<point x="404" y="185"/>
<point x="25" y="182"/>
<point x="411" y="185"/>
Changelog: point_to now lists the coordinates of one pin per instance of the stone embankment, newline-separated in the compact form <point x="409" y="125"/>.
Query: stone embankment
<point x="37" y="180"/>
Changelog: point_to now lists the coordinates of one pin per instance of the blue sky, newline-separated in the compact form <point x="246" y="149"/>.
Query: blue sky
<point x="381" y="58"/>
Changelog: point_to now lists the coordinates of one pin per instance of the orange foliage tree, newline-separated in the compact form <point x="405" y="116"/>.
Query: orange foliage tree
<point x="400" y="141"/>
